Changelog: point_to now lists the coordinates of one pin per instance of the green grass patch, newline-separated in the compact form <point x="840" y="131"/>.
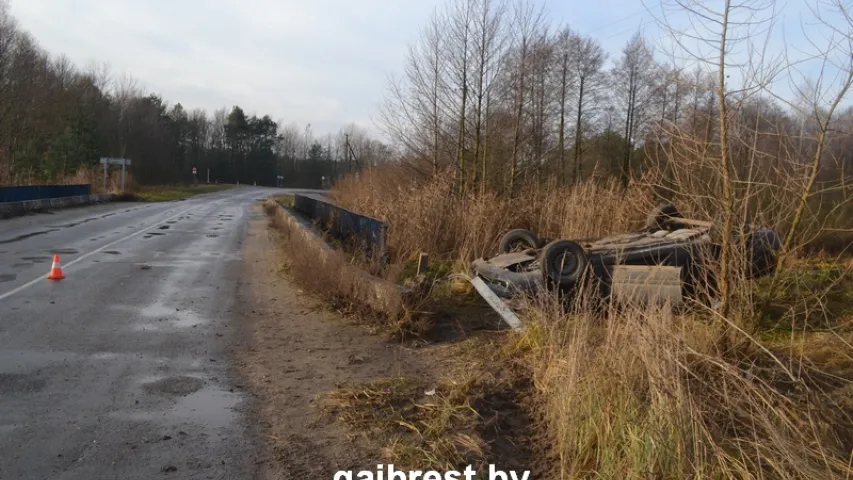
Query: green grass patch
<point x="811" y="296"/>
<point x="284" y="200"/>
<point x="166" y="193"/>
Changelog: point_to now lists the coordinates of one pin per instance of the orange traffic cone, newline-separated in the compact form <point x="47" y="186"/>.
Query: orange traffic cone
<point x="55" y="270"/>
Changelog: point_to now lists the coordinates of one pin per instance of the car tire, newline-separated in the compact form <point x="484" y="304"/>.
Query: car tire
<point x="763" y="245"/>
<point x="741" y="227"/>
<point x="662" y="214"/>
<point x="563" y="263"/>
<point x="518" y="239"/>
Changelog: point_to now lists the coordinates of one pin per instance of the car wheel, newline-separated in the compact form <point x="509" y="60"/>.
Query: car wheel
<point x="563" y="262"/>
<point x="662" y="214"/>
<point x="741" y="229"/>
<point x="519" y="239"/>
<point x="762" y="246"/>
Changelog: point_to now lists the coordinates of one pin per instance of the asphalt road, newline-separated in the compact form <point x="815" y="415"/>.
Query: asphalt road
<point x="121" y="370"/>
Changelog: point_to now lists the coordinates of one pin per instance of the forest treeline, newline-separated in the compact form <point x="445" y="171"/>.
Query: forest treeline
<point x="495" y="92"/>
<point x="56" y="117"/>
<point x="490" y="89"/>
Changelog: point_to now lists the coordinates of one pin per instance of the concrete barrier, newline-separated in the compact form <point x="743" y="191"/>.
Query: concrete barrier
<point x="42" y="192"/>
<point x="13" y="209"/>
<point x="370" y="233"/>
<point x="354" y="282"/>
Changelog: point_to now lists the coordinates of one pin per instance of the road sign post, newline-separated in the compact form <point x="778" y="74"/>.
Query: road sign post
<point x="124" y="162"/>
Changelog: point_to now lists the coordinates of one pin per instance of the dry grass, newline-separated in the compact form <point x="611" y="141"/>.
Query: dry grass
<point x="284" y="200"/>
<point x="329" y="273"/>
<point x="132" y="190"/>
<point x="426" y="216"/>
<point x="646" y="393"/>
<point x="84" y="175"/>
<point x="419" y="431"/>
<point x="466" y="417"/>
<point x="166" y="193"/>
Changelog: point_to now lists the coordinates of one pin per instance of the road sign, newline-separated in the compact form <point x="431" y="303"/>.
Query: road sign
<point x="124" y="162"/>
<point x="115" y="161"/>
<point x="194" y="171"/>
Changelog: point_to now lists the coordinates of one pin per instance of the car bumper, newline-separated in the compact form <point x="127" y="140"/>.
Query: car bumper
<point x="506" y="283"/>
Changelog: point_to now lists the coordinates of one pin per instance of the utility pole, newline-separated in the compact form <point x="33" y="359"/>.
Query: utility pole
<point x="346" y="153"/>
<point x="351" y="155"/>
<point x="354" y="157"/>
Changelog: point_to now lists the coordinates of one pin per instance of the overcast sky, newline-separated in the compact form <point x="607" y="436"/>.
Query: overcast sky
<point x="323" y="62"/>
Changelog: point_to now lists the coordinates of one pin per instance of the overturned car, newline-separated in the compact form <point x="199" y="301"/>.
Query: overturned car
<point x="671" y="258"/>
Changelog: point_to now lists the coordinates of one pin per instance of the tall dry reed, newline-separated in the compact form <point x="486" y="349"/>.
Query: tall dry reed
<point x="634" y="394"/>
<point x="648" y="394"/>
<point x="426" y="216"/>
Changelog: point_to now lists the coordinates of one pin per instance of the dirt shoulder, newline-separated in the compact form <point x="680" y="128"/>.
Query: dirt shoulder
<point x="297" y="351"/>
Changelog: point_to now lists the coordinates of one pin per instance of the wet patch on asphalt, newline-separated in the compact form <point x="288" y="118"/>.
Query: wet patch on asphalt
<point x="112" y="252"/>
<point x="163" y="318"/>
<point x="164" y="227"/>
<point x="11" y="383"/>
<point x="63" y="251"/>
<point x="210" y="407"/>
<point x="28" y="235"/>
<point x="8" y="277"/>
<point x="182" y="386"/>
<point x="212" y="235"/>
<point x="38" y="259"/>
<point x="69" y="225"/>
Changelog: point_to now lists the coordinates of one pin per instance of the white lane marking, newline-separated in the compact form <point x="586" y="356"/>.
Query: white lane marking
<point x="87" y="255"/>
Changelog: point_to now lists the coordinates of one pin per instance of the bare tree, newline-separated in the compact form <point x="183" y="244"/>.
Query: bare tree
<point x="527" y="26"/>
<point x="823" y="97"/>
<point x="460" y="37"/>
<point x="749" y="161"/>
<point x="415" y="111"/>
<point x="632" y="85"/>
<point x="489" y="46"/>
<point x="8" y="37"/>
<point x="587" y="62"/>
<point x="542" y="99"/>
<point x="566" y="82"/>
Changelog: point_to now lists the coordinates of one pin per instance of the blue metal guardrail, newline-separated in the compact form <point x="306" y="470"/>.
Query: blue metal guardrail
<point x="40" y="192"/>
<point x="344" y="224"/>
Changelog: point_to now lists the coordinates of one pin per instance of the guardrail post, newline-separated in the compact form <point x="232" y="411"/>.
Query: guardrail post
<point x="423" y="263"/>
